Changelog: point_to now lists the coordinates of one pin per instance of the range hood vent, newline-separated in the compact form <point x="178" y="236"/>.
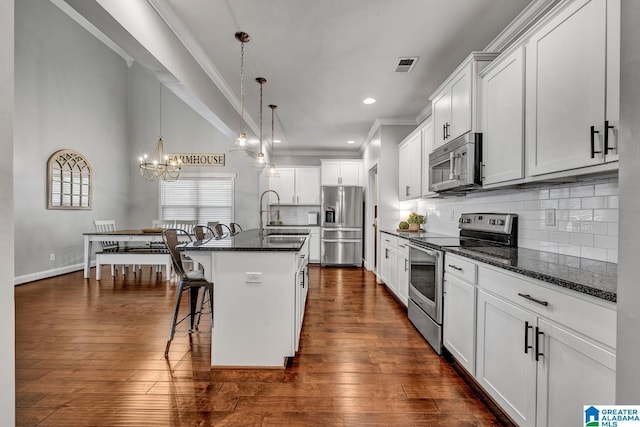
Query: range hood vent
<point x="405" y="65"/>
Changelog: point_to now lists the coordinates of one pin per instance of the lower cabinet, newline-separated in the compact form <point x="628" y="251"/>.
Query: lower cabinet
<point x="459" y="320"/>
<point x="403" y="272"/>
<point x="541" y="353"/>
<point x="314" y="245"/>
<point x="394" y="266"/>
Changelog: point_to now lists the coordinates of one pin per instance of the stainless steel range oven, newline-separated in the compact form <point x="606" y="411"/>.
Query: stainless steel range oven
<point x="425" y="293"/>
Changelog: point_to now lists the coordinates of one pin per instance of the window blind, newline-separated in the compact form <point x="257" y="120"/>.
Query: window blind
<point x="203" y="199"/>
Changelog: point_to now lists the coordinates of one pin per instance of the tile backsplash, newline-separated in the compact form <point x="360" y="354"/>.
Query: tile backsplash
<point x="586" y="216"/>
<point x="295" y="215"/>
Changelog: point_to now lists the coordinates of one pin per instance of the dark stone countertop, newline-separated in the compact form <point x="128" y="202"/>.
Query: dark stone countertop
<point x="282" y="240"/>
<point x="584" y="275"/>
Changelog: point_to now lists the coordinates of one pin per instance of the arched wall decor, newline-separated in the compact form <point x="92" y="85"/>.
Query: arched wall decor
<point x="68" y="181"/>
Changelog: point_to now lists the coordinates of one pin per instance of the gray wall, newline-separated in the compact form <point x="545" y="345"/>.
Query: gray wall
<point x="628" y="347"/>
<point x="7" y="319"/>
<point x="74" y="92"/>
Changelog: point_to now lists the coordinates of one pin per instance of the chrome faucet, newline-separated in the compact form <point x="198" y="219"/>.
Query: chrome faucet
<point x="261" y="229"/>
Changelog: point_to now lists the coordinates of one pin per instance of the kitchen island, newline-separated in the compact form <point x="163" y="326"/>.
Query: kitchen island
<point x="260" y="288"/>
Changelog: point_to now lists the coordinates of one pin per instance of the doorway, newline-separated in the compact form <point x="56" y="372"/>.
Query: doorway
<point x="372" y="214"/>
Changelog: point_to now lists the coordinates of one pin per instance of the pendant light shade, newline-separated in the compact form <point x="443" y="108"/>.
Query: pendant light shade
<point x="272" y="172"/>
<point x="260" y="161"/>
<point x="159" y="167"/>
<point x="240" y="146"/>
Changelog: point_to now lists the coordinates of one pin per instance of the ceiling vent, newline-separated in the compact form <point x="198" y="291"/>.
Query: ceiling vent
<point x="405" y="65"/>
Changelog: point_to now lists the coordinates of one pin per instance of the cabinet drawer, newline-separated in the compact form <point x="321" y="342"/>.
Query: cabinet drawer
<point x="389" y="240"/>
<point x="403" y="247"/>
<point x="460" y="267"/>
<point x="591" y="317"/>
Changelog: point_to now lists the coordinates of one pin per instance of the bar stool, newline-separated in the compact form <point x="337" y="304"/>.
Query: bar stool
<point x="192" y="281"/>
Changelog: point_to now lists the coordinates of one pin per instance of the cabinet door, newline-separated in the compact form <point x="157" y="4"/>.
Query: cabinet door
<point x="393" y="270"/>
<point x="503" y="119"/>
<point x="460" y="104"/>
<point x="350" y="173"/>
<point x="403" y="273"/>
<point x="427" y="148"/>
<point x="404" y="156"/>
<point x="505" y="368"/>
<point x="330" y="172"/>
<point x="308" y="186"/>
<point x="441" y="111"/>
<point x="572" y="372"/>
<point x="415" y="167"/>
<point x="459" y="323"/>
<point x="385" y="263"/>
<point x="284" y="185"/>
<point x="566" y="71"/>
<point x="314" y="246"/>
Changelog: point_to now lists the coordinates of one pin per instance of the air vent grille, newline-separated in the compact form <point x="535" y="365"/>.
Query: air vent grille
<point x="405" y="65"/>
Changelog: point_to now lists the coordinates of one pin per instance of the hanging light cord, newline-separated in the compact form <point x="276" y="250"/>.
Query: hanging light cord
<point x="261" y="83"/>
<point x="241" y="86"/>
<point x="160" y="113"/>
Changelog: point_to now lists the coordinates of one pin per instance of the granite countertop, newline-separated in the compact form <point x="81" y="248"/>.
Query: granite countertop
<point x="282" y="240"/>
<point x="290" y="225"/>
<point x="584" y="275"/>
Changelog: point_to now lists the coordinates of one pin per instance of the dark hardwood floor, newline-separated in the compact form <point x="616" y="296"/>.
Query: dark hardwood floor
<point x="91" y="353"/>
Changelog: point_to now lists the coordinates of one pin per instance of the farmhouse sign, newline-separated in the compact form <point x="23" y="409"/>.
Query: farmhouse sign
<point x="197" y="159"/>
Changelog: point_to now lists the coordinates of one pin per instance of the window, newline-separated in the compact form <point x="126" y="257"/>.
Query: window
<point x="69" y="181"/>
<point x="203" y="198"/>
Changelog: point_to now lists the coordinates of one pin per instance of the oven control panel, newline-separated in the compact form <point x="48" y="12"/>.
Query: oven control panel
<point x="491" y="222"/>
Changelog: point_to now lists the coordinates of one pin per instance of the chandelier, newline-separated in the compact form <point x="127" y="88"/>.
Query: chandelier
<point x="272" y="172"/>
<point x="159" y="167"/>
<point x="240" y="147"/>
<point x="259" y="164"/>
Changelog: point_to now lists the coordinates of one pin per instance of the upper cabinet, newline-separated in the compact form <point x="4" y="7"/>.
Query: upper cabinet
<point x="573" y="88"/>
<point x="427" y="146"/>
<point x="296" y="185"/>
<point x="453" y="105"/>
<point x="341" y="172"/>
<point x="410" y="167"/>
<point x="502" y="103"/>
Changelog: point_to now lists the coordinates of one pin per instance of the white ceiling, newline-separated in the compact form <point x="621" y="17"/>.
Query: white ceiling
<point x="322" y="58"/>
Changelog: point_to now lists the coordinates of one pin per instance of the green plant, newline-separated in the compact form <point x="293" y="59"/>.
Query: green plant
<point x="403" y="225"/>
<point x="414" y="218"/>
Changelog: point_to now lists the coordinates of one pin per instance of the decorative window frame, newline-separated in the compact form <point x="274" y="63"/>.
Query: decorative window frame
<point x="69" y="181"/>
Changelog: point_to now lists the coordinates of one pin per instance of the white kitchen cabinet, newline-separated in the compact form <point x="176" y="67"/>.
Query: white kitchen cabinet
<point x="572" y="88"/>
<point x="427" y="147"/>
<point x="403" y="272"/>
<point x="535" y="344"/>
<point x="459" y="322"/>
<point x="503" y="118"/>
<point x="453" y="104"/>
<point x="389" y="261"/>
<point x="410" y="167"/>
<point x="296" y="185"/>
<point x="314" y="245"/>
<point x="341" y="172"/>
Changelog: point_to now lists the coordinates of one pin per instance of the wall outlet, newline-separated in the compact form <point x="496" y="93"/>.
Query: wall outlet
<point x="52" y="257"/>
<point x="550" y="217"/>
<point x="254" y="277"/>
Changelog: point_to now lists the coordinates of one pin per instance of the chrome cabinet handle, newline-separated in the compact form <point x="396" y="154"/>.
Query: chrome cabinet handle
<point x="455" y="267"/>
<point x="593" y="142"/>
<point x="406" y="191"/>
<point x="444" y="131"/>
<point x="526" y="337"/>
<point x="530" y="298"/>
<point x="447" y="128"/>
<point x="386" y="253"/>
<point x="538" y="352"/>
<point x="405" y="264"/>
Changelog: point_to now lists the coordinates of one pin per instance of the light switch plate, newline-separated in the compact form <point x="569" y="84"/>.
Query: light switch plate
<point x="550" y="217"/>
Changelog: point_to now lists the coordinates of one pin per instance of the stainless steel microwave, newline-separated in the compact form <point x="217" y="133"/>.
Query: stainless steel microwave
<point x="455" y="166"/>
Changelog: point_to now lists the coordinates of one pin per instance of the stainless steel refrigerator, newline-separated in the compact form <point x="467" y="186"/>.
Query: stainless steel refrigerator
<point x="341" y="226"/>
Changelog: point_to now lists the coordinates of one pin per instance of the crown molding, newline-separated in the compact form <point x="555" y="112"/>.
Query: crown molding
<point x="424" y="114"/>
<point x="166" y="13"/>
<point x="82" y="21"/>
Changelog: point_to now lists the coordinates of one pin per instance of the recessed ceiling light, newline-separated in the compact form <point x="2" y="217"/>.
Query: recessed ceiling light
<point x="351" y="141"/>
<point x="277" y="141"/>
<point x="369" y="101"/>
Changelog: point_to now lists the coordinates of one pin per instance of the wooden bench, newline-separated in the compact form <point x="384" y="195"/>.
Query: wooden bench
<point x="134" y="256"/>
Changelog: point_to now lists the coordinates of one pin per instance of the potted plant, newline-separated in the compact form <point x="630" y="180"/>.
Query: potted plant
<point x="415" y="221"/>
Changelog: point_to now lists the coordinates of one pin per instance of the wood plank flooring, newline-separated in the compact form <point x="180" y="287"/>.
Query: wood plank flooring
<point x="90" y="353"/>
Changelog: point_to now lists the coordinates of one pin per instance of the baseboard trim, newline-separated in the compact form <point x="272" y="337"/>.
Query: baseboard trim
<point x="19" y="280"/>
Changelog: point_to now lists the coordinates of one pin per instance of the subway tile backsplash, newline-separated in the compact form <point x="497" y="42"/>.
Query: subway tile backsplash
<point x="586" y="216"/>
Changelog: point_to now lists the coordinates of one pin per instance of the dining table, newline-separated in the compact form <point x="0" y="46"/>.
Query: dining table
<point x="125" y="236"/>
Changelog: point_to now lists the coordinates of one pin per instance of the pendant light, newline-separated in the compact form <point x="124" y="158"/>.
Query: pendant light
<point x="272" y="172"/>
<point x="159" y="167"/>
<point x="240" y="146"/>
<point x="259" y="164"/>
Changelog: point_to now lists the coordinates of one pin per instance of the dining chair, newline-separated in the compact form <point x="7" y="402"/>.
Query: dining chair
<point x="186" y="225"/>
<point x="191" y="281"/>
<point x="221" y="229"/>
<point x="203" y="232"/>
<point x="235" y="228"/>
<point x="107" y="226"/>
<point x="163" y="223"/>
